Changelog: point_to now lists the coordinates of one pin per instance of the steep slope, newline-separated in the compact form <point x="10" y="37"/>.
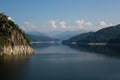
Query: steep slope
<point x="106" y="34"/>
<point x="103" y="35"/>
<point x="82" y="39"/>
<point x="12" y="39"/>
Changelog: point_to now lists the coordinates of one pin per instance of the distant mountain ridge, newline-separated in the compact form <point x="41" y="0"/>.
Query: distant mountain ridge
<point x="36" y="33"/>
<point x="68" y="34"/>
<point x="40" y="38"/>
<point x="101" y="36"/>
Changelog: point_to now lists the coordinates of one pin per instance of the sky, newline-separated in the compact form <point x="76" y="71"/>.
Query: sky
<point x="62" y="15"/>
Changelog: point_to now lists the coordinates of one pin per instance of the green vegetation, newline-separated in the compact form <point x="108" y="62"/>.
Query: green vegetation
<point x="8" y="29"/>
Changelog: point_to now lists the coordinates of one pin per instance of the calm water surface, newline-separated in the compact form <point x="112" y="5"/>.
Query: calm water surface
<point x="60" y="62"/>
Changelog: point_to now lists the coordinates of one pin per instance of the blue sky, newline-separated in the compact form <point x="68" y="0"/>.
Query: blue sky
<point x="62" y="15"/>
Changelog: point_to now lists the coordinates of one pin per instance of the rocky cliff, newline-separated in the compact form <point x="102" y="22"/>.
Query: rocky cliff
<point x="12" y="39"/>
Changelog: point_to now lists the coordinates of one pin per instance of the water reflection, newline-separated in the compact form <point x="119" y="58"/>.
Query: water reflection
<point x="12" y="66"/>
<point x="73" y="62"/>
<point x="105" y="50"/>
<point x="62" y="62"/>
<point x="43" y="45"/>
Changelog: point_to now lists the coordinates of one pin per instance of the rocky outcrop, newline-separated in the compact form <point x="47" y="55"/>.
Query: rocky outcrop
<point x="13" y="40"/>
<point x="16" y="50"/>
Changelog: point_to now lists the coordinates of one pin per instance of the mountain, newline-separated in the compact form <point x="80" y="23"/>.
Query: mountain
<point x="41" y="38"/>
<point x="101" y="36"/>
<point x="68" y="34"/>
<point x="114" y="42"/>
<point x="53" y="34"/>
<point x="36" y="33"/>
<point x="13" y="40"/>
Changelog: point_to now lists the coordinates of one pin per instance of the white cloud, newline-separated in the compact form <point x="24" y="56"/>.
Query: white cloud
<point x="53" y="24"/>
<point x="28" y="27"/>
<point x="103" y="24"/>
<point x="62" y="24"/>
<point x="88" y="24"/>
<point x="80" y="23"/>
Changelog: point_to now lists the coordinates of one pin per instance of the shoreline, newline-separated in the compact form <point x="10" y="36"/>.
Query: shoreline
<point x="97" y="44"/>
<point x="17" y="50"/>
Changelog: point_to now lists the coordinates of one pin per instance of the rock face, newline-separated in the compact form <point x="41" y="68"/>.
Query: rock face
<point x="12" y="39"/>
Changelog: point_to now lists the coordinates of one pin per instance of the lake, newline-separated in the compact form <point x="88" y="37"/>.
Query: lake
<point x="62" y="62"/>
